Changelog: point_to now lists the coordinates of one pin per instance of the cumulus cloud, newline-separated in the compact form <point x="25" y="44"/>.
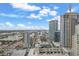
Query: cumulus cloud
<point x="47" y="11"/>
<point x="43" y="13"/>
<point x="37" y="28"/>
<point x="29" y="22"/>
<point x="33" y="16"/>
<point x="55" y="18"/>
<point x="25" y="6"/>
<point x="48" y="20"/>
<point x="20" y="26"/>
<point x="53" y="13"/>
<point x="24" y="27"/>
<point x="10" y="15"/>
<point x="10" y="26"/>
<point x="56" y="7"/>
<point x="6" y="26"/>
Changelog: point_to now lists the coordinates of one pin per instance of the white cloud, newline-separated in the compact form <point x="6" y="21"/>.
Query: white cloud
<point x="37" y="27"/>
<point x="53" y="13"/>
<point x="20" y="26"/>
<point x="55" y="18"/>
<point x="40" y="18"/>
<point x="29" y="22"/>
<point x="48" y="20"/>
<point x="24" y="27"/>
<point x="25" y="6"/>
<point x="33" y="16"/>
<point x="47" y="11"/>
<point x="56" y="7"/>
<point x="44" y="12"/>
<point x="9" y="15"/>
<point x="8" y="24"/>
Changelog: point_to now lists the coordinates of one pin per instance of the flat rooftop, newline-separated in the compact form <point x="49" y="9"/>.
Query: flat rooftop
<point x="19" y="52"/>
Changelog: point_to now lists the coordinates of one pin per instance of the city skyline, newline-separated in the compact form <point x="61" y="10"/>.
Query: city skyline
<point x="39" y="29"/>
<point x="31" y="15"/>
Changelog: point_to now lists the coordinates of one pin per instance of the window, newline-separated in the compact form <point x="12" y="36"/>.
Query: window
<point x="58" y="51"/>
<point x="55" y="52"/>
<point x="51" y="52"/>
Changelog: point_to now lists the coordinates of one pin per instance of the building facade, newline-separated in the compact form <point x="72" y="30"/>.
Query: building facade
<point x="57" y="36"/>
<point x="75" y="42"/>
<point x="48" y="52"/>
<point x="53" y="27"/>
<point x="27" y="39"/>
<point x="67" y="28"/>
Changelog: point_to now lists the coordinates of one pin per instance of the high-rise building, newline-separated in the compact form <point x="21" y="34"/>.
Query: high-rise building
<point x="75" y="41"/>
<point x="67" y="28"/>
<point x="53" y="27"/>
<point x="27" y="39"/>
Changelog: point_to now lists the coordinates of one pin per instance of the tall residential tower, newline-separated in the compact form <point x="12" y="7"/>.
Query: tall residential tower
<point x="67" y="28"/>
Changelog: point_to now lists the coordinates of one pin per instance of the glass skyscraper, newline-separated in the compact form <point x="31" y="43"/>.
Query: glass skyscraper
<point x="53" y="27"/>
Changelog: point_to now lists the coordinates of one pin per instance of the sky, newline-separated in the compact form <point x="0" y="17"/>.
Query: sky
<point x="32" y="16"/>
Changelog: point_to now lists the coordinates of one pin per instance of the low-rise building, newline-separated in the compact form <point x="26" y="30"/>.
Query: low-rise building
<point x="48" y="52"/>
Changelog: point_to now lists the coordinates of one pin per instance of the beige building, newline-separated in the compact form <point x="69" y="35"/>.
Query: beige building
<point x="75" y="42"/>
<point x="67" y="28"/>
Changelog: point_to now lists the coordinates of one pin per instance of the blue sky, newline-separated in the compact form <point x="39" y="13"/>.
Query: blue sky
<point x="31" y="15"/>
